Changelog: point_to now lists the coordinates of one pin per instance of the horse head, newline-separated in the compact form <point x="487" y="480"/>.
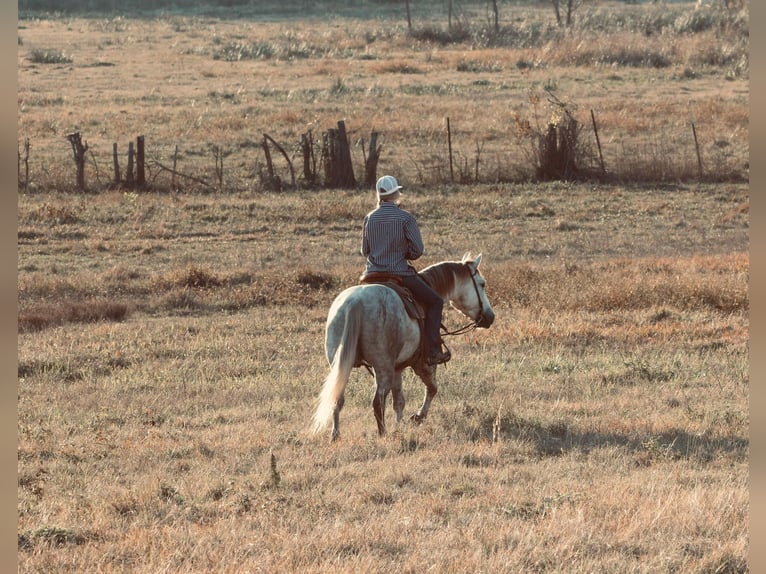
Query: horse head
<point x="470" y="296"/>
<point x="463" y="286"/>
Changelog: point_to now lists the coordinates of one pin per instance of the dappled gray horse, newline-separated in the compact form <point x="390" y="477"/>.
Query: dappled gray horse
<point x="368" y="325"/>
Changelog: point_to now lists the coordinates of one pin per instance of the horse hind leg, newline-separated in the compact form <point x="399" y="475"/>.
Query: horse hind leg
<point x="335" y="434"/>
<point x="384" y="382"/>
<point x="379" y="408"/>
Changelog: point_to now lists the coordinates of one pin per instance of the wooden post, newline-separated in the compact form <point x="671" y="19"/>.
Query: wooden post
<point x="175" y="161"/>
<point x="117" y="176"/>
<point x="334" y="155"/>
<point x="409" y="19"/>
<point x="598" y="142"/>
<point x="449" y="146"/>
<point x="371" y="162"/>
<point x="140" y="170"/>
<point x="26" y="163"/>
<point x="269" y="163"/>
<point x="309" y="162"/>
<point x="327" y="157"/>
<point x="697" y="148"/>
<point x="79" y="147"/>
<point x="129" y="172"/>
<point x="346" y="169"/>
<point x="218" y="153"/>
<point x="337" y="155"/>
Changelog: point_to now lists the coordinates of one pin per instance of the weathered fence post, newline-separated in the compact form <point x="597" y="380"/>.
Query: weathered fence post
<point x="336" y="154"/>
<point x="218" y="152"/>
<point x="309" y="160"/>
<point x="598" y="143"/>
<point x="328" y="156"/>
<point x="117" y="176"/>
<point x="140" y="170"/>
<point x="269" y="164"/>
<point x="346" y="175"/>
<point x="175" y="162"/>
<point x="371" y="162"/>
<point x="449" y="147"/>
<point x="697" y="148"/>
<point x="26" y="163"/>
<point x="79" y="147"/>
<point x="409" y="18"/>
<point x="129" y="172"/>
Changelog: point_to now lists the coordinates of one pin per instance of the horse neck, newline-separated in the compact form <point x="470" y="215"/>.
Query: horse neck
<point x="443" y="278"/>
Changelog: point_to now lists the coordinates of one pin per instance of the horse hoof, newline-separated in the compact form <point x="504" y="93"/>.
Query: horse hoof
<point x="417" y="418"/>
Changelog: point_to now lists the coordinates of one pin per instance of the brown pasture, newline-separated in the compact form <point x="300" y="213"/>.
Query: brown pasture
<point x="170" y="345"/>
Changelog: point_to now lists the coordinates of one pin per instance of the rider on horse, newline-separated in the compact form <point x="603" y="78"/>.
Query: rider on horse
<point x="390" y="239"/>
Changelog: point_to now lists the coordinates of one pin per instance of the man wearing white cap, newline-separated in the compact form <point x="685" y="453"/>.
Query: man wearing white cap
<point x="390" y="240"/>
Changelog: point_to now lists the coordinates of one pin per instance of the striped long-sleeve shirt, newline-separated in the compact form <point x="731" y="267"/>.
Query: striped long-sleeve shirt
<point x="390" y="237"/>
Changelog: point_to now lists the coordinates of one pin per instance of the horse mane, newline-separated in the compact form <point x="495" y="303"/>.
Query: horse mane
<point x="441" y="277"/>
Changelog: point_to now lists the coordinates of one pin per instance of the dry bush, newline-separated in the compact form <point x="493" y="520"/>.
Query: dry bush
<point x="396" y="67"/>
<point x="42" y="316"/>
<point x="193" y="276"/>
<point x="437" y="35"/>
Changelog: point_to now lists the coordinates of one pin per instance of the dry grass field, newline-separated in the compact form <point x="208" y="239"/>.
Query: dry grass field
<point x="170" y="344"/>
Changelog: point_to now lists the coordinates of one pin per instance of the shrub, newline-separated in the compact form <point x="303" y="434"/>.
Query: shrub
<point x="51" y="315"/>
<point x="436" y="35"/>
<point x="195" y="277"/>
<point x="236" y="51"/>
<point x="556" y="150"/>
<point x="48" y="56"/>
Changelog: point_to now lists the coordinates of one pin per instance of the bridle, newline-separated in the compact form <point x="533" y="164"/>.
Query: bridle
<point x="473" y="324"/>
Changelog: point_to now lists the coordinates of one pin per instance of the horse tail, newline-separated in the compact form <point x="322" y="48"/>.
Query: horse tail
<point x="340" y="370"/>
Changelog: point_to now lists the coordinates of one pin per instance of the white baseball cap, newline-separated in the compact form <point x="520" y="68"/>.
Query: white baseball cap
<point x="387" y="185"/>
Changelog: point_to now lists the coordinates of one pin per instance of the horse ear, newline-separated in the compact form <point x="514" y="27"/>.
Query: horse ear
<point x="474" y="265"/>
<point x="466" y="257"/>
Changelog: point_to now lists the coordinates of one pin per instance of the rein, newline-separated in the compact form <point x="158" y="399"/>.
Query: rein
<point x="460" y="330"/>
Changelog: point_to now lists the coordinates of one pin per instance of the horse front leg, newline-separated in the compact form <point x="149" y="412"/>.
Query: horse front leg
<point x="427" y="374"/>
